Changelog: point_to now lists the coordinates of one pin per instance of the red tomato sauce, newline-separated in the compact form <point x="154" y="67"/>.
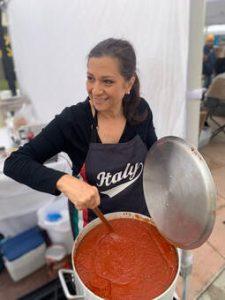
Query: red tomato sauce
<point x="134" y="262"/>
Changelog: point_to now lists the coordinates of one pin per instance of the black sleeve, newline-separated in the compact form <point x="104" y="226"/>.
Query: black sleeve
<point x="26" y="164"/>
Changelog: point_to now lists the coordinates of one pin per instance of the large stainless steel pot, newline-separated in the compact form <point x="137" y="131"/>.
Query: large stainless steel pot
<point x="82" y="291"/>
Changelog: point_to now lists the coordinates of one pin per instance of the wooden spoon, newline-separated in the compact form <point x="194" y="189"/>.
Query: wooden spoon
<point x="99" y="214"/>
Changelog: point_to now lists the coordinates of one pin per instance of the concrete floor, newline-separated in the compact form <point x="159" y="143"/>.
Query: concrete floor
<point x="216" y="289"/>
<point x="207" y="280"/>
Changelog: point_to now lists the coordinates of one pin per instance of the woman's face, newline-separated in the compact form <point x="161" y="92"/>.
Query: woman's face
<point x="106" y="87"/>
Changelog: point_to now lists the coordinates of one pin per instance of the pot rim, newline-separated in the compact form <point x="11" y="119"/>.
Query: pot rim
<point x="112" y="216"/>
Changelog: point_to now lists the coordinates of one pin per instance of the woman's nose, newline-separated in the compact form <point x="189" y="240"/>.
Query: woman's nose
<point x="97" y="89"/>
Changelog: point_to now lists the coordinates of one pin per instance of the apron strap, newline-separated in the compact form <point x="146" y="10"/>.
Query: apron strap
<point x="94" y="132"/>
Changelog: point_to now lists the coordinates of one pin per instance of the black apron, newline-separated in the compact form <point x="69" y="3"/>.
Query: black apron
<point x="117" y="171"/>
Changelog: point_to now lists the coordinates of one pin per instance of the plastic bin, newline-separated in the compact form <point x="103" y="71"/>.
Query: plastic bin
<point x="24" y="253"/>
<point x="54" y="218"/>
<point x="15" y="247"/>
<point x="27" y="263"/>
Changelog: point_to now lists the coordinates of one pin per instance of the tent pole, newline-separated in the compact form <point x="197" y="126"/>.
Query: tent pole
<point x="194" y="86"/>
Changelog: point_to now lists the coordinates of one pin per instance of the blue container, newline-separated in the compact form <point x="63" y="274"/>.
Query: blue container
<point x="22" y="243"/>
<point x="53" y="217"/>
<point x="1" y="261"/>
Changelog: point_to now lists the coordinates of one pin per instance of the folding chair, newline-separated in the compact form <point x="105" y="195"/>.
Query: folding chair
<point x="215" y="102"/>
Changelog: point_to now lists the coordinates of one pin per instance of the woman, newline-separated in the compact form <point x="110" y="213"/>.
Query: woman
<point x="110" y="133"/>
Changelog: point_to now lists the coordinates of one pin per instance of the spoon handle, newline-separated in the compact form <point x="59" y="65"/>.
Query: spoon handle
<point x="99" y="214"/>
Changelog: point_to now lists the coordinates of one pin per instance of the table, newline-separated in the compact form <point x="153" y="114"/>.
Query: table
<point x="19" y="203"/>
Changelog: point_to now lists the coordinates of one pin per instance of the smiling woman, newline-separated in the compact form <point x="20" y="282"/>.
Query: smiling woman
<point x="108" y="134"/>
<point x="117" y="57"/>
<point x="106" y="86"/>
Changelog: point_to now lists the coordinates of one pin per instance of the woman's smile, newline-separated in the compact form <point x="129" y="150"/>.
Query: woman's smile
<point x="99" y="101"/>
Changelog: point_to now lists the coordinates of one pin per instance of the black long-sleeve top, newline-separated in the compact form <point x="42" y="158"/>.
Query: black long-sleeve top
<point x="68" y="132"/>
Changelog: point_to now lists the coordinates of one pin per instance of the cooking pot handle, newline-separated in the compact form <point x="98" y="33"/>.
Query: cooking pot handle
<point x="61" y="273"/>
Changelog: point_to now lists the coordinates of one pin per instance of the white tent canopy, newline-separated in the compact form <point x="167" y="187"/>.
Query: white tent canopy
<point x="51" y="38"/>
<point x="215" y="12"/>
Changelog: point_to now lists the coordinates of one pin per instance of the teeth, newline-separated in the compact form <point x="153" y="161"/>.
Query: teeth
<point x="100" y="99"/>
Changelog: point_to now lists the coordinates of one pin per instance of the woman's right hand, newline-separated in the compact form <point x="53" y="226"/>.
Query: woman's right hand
<point x="80" y="193"/>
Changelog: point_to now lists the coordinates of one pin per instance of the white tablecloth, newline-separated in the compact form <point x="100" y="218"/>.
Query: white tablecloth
<point x="19" y="203"/>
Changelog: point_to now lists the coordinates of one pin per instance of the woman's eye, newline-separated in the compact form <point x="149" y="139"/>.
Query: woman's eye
<point x="89" y="78"/>
<point x="108" y="82"/>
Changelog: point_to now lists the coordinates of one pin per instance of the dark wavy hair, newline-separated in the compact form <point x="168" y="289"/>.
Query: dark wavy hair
<point x="124" y="52"/>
